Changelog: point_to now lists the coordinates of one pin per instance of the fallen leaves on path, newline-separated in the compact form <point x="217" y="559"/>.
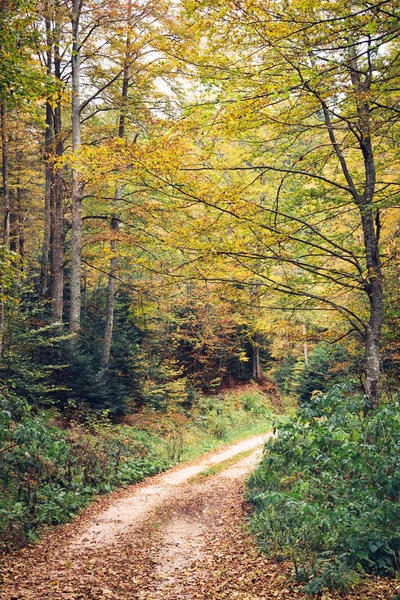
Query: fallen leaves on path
<point x="193" y="546"/>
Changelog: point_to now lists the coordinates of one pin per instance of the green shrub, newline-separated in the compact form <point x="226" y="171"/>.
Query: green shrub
<point x="326" y="494"/>
<point x="255" y="403"/>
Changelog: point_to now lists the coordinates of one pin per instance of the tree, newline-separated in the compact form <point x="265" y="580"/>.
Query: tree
<point x="303" y="89"/>
<point x="126" y="68"/>
<point x="76" y="227"/>
<point x="50" y="51"/>
<point x="22" y="82"/>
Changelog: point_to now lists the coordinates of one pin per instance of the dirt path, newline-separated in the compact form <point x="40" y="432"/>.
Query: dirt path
<point x="129" y="511"/>
<point x="168" y="538"/>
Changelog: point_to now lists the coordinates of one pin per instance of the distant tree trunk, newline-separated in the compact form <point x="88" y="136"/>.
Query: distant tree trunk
<point x="84" y="293"/>
<point x="57" y="250"/>
<point x="109" y="327"/>
<point x="305" y="347"/>
<point x="256" y="358"/>
<point x="20" y="216"/>
<point x="256" y="336"/>
<point x="108" y="333"/>
<point x="13" y="224"/>
<point x="76" y="250"/>
<point x="21" y="227"/>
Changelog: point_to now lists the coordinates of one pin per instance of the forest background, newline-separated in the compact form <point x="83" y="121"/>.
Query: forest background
<point x="196" y="195"/>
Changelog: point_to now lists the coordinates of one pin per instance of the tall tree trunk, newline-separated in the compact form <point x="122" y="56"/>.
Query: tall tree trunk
<point x="109" y="327"/>
<point x="57" y="250"/>
<point x="76" y="250"/>
<point x="6" y="208"/>
<point x="48" y="200"/>
<point x="371" y="228"/>
<point x="20" y="216"/>
<point x="375" y="295"/>
<point x="48" y="166"/>
<point x="373" y="284"/>
<point x="6" y="189"/>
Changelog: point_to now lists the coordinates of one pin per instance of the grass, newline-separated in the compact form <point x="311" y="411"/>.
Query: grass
<point x="207" y="443"/>
<point x="217" y="468"/>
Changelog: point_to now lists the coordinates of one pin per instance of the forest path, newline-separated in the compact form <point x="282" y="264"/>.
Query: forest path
<point x="172" y="537"/>
<point x="142" y="541"/>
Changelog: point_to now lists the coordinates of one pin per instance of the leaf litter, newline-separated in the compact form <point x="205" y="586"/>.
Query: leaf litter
<point x="192" y="544"/>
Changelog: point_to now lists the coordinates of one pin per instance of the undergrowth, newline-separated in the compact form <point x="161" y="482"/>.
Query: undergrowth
<point x="326" y="494"/>
<point x="49" y="471"/>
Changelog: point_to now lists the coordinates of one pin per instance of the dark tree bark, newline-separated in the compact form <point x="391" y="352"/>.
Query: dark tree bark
<point x="370" y="226"/>
<point x="361" y="82"/>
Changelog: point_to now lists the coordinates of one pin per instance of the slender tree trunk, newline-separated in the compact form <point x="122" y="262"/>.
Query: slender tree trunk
<point x="6" y="189"/>
<point x="76" y="250"/>
<point x="256" y="359"/>
<point x="109" y="327"/>
<point x="57" y="254"/>
<point x="305" y="347"/>
<point x="20" y="216"/>
<point x="48" y="152"/>
<point x="21" y="227"/>
<point x="371" y="229"/>
<point x="256" y="337"/>
<point x="108" y="333"/>
<point x="57" y="251"/>
<point x="6" y="208"/>
<point x="13" y="223"/>
<point x="48" y="200"/>
<point x="370" y="223"/>
<point x="84" y="293"/>
<point x="375" y="295"/>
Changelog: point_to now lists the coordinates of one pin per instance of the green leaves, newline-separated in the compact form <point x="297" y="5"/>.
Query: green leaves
<point x="321" y="492"/>
<point x="22" y="78"/>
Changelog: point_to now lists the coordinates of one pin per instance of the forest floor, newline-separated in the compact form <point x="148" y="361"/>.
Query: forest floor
<point x="178" y="535"/>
